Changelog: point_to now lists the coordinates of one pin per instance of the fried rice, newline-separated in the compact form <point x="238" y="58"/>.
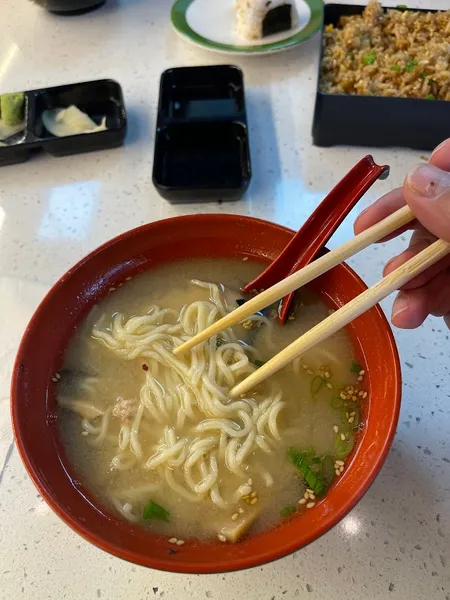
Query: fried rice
<point x="403" y="53"/>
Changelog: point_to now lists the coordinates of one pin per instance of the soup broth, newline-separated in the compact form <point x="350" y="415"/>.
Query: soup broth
<point x="157" y="439"/>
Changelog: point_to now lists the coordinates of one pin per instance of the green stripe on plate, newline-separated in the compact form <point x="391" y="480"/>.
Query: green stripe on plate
<point x="179" y="22"/>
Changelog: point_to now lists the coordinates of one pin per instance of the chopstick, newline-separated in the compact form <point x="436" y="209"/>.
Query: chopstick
<point x="347" y="313"/>
<point x="303" y="276"/>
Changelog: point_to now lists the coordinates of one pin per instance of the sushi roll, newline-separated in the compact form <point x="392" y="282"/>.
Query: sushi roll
<point x="257" y="19"/>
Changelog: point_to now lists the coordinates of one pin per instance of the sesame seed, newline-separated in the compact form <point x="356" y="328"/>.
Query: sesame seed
<point x="250" y="481"/>
<point x="84" y="433"/>
<point x="340" y="463"/>
<point x="362" y="372"/>
<point x="360" y="378"/>
<point x="54" y="380"/>
<point x="302" y="501"/>
<point x="245" y="258"/>
<point x="353" y="413"/>
<point x="342" y="436"/>
<point x="341" y="469"/>
<point x="353" y="398"/>
<point x="337" y="472"/>
<point x="127" y="278"/>
<point x="180" y="542"/>
<point x="58" y="376"/>
<point x="343" y="396"/>
<point x="222" y="538"/>
<point x="253" y="500"/>
<point x="310" y="491"/>
<point x="351" y="419"/>
<point x="335" y="429"/>
<point x="312" y="496"/>
<point x="253" y="495"/>
<point x="327" y="375"/>
<point x="235" y="517"/>
<point x="310" y="372"/>
<point x="329" y="385"/>
<point x="173" y="541"/>
<point x="310" y="504"/>
<point x="111" y="289"/>
<point x="240" y="510"/>
<point x="364" y="395"/>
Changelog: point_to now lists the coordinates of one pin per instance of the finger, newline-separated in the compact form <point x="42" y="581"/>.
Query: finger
<point x="420" y="240"/>
<point x="427" y="191"/>
<point x="412" y="307"/>
<point x="440" y="157"/>
<point x="381" y="209"/>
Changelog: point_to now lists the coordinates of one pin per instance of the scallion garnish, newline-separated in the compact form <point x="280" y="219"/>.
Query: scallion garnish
<point x="410" y="65"/>
<point x="431" y="97"/>
<point x="336" y="402"/>
<point x="316" y="384"/>
<point x="402" y="6"/>
<point x="396" y="68"/>
<point x="343" y="447"/>
<point x="153" y="510"/>
<point x="313" y="480"/>
<point x="369" y="58"/>
<point x="355" y="367"/>
<point x="287" y="511"/>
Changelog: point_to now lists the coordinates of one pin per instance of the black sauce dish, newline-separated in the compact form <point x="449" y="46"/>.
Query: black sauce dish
<point x="68" y="7"/>
<point x="380" y="121"/>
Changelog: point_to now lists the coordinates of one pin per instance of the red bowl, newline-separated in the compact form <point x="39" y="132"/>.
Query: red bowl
<point x="35" y="416"/>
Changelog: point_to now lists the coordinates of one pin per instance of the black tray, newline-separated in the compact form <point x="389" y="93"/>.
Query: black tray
<point x="376" y="120"/>
<point x="201" y="146"/>
<point x="98" y="99"/>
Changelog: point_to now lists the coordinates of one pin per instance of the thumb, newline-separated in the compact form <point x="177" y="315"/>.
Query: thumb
<point x="427" y="192"/>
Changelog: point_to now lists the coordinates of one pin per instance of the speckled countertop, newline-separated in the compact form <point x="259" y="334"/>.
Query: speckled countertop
<point x="396" y="543"/>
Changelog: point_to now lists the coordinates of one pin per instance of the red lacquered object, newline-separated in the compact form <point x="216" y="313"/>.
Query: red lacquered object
<point x="317" y="230"/>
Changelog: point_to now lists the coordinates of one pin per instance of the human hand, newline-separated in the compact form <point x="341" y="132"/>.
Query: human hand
<point x="426" y="190"/>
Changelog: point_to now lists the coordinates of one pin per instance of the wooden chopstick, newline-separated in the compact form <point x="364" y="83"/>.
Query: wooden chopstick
<point x="347" y="313"/>
<point x="303" y="276"/>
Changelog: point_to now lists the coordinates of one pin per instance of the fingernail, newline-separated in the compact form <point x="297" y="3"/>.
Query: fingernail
<point x="400" y="305"/>
<point x="428" y="181"/>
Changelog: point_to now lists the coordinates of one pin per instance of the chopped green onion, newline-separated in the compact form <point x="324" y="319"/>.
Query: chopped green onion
<point x="431" y="97"/>
<point x="259" y="363"/>
<point x="396" y="68"/>
<point x="328" y="471"/>
<point x="316" y="460"/>
<point x="355" y="367"/>
<point x="403" y="6"/>
<point x="336" y="402"/>
<point x="369" y="58"/>
<point x="344" y="447"/>
<point x="313" y="481"/>
<point x="155" y="511"/>
<point x="431" y="81"/>
<point x="410" y="65"/>
<point x="423" y="75"/>
<point x="287" y="511"/>
<point x="316" y="384"/>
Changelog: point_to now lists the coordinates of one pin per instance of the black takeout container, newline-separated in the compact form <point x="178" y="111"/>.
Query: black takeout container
<point x="98" y="99"/>
<point x="201" y="142"/>
<point x="376" y="120"/>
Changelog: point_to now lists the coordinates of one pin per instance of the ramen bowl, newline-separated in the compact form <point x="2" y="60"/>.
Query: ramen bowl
<point x="35" y="415"/>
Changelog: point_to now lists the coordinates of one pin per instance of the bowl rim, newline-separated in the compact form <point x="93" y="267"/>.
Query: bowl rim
<point x="227" y="565"/>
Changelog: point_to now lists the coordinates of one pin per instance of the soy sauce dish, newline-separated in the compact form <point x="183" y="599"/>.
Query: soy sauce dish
<point x="144" y="455"/>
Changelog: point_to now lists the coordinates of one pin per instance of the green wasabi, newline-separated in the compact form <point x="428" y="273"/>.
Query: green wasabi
<point x="12" y="108"/>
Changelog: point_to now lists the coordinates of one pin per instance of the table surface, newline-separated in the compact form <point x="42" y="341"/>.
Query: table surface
<point x="395" y="543"/>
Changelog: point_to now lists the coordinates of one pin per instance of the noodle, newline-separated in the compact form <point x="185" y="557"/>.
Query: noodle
<point x="191" y="390"/>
